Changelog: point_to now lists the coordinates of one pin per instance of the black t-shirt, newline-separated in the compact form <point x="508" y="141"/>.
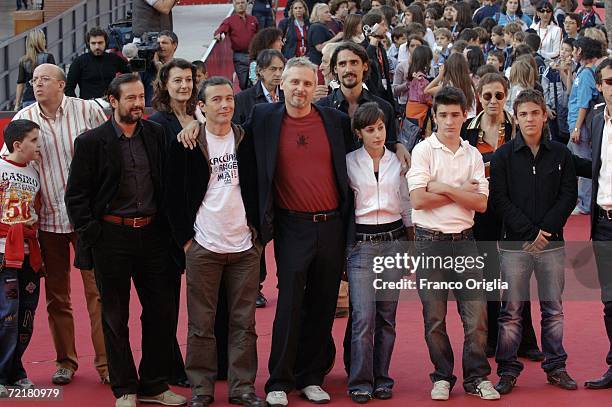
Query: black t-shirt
<point x="26" y="70"/>
<point x="317" y="34"/>
<point x="93" y="74"/>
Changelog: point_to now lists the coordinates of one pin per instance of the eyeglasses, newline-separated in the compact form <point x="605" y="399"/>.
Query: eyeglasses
<point x="42" y="79"/>
<point x="607" y="81"/>
<point x="544" y="10"/>
<point x="498" y="95"/>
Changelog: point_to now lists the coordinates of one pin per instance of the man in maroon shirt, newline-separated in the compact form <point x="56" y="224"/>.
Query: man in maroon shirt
<point x="305" y="206"/>
<point x="241" y="28"/>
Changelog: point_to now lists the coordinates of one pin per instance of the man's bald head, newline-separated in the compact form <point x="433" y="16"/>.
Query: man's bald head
<point x="48" y="81"/>
<point x="50" y="70"/>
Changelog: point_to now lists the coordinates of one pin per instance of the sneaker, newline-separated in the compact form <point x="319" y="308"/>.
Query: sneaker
<point x="24" y="383"/>
<point x="3" y="392"/>
<point x="485" y="391"/>
<point x="383" y="393"/>
<point x="360" y="397"/>
<point x="506" y="384"/>
<point x="62" y="375"/>
<point x="167" y="398"/>
<point x="441" y="390"/>
<point x="315" y="394"/>
<point x="561" y="379"/>
<point x="277" y="399"/>
<point x="127" y="400"/>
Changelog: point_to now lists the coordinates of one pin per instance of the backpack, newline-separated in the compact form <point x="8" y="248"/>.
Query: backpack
<point x="556" y="98"/>
<point x="596" y="100"/>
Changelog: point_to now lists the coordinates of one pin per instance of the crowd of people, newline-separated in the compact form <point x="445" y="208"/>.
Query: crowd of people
<point x="362" y="130"/>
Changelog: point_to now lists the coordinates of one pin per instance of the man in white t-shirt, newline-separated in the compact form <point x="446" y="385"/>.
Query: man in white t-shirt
<point x="212" y="207"/>
<point x="447" y="185"/>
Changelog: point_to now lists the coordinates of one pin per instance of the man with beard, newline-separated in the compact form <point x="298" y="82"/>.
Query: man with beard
<point x="114" y="199"/>
<point x="94" y="70"/>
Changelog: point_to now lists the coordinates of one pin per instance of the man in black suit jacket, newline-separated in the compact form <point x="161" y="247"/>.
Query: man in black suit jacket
<point x="601" y="207"/>
<point x="304" y="204"/>
<point x="114" y="198"/>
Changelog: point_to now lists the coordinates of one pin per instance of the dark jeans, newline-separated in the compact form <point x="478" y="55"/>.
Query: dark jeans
<point x="177" y="367"/>
<point x="373" y="317"/>
<point x="471" y="305"/>
<point x="517" y="267"/>
<point x="602" y="246"/>
<point x="122" y="254"/>
<point x="309" y="260"/>
<point x="239" y="273"/>
<point x="264" y="19"/>
<point x="19" y="291"/>
<point x="241" y="67"/>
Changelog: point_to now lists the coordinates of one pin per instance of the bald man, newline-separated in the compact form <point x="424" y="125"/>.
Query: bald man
<point x="61" y="119"/>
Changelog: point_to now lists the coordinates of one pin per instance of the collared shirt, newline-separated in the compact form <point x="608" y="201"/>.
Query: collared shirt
<point x="268" y="95"/>
<point x="433" y="161"/>
<point x="240" y="30"/>
<point x="57" y="136"/>
<point x="604" y="191"/>
<point x="135" y="196"/>
<point x="378" y="200"/>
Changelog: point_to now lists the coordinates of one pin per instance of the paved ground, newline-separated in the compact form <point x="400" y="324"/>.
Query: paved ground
<point x="194" y="26"/>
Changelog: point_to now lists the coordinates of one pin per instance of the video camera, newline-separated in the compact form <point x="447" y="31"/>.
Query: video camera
<point x="147" y="47"/>
<point x="372" y="31"/>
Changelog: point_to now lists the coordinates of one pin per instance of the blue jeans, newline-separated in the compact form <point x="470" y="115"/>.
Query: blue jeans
<point x="264" y="19"/>
<point x="471" y="305"/>
<point x="373" y="322"/>
<point x="19" y="291"/>
<point x="583" y="150"/>
<point x="516" y="269"/>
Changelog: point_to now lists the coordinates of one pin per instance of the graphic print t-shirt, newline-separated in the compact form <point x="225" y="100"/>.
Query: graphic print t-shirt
<point x="19" y="185"/>
<point x="221" y="224"/>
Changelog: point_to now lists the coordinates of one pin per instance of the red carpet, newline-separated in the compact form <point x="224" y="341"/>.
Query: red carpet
<point x="585" y="342"/>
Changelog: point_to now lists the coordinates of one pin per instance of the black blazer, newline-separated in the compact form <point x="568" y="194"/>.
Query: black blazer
<point x="187" y="179"/>
<point x="264" y="127"/>
<point x="286" y="25"/>
<point x="95" y="174"/>
<point x="597" y="127"/>
<point x="246" y="99"/>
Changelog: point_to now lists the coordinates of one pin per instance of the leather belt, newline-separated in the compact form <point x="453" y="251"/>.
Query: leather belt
<point x="605" y="213"/>
<point x="381" y="237"/>
<point x="313" y="217"/>
<point x="131" y="222"/>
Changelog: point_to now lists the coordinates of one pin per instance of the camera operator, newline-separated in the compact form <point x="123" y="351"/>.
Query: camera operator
<point x="379" y="82"/>
<point x="167" y="42"/>
<point x="93" y="71"/>
<point x="151" y="16"/>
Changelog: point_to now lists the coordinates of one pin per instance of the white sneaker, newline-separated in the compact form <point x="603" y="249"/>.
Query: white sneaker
<point x="277" y="398"/>
<point x="3" y="392"/>
<point x="315" y="394"/>
<point x="127" y="400"/>
<point x="24" y="383"/>
<point x="486" y="391"/>
<point x="441" y="390"/>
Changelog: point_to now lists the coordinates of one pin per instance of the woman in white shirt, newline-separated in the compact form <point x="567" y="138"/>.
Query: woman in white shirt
<point x="382" y="218"/>
<point x="550" y="34"/>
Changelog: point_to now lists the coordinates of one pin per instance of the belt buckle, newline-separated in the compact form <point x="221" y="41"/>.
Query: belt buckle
<point x="135" y="222"/>
<point x="319" y="217"/>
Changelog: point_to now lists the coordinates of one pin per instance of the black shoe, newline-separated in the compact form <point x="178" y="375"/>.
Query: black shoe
<point x="360" y="397"/>
<point x="248" y="399"/>
<point x="561" y="379"/>
<point x="201" y="401"/>
<point x="535" y="355"/>
<point x="506" y="384"/>
<point x="604" y="382"/>
<point x="261" y="301"/>
<point x="183" y="382"/>
<point x="383" y="393"/>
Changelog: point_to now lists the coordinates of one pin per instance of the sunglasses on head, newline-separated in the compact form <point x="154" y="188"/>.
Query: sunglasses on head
<point x="544" y="10"/>
<point x="498" y="95"/>
<point x="607" y="81"/>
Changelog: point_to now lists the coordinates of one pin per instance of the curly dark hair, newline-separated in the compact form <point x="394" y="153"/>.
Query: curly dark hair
<point x="161" y="97"/>
<point x="263" y="40"/>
